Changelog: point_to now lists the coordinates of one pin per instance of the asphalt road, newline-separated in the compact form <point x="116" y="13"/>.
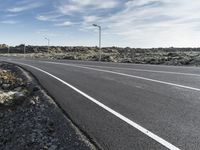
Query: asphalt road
<point x="165" y="100"/>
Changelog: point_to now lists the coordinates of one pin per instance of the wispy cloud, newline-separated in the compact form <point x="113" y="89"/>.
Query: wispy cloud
<point x="49" y="17"/>
<point x="143" y="21"/>
<point x="97" y="3"/>
<point x="74" y="6"/>
<point x="11" y="15"/>
<point x="90" y="19"/>
<point x="47" y="33"/>
<point x="139" y="22"/>
<point x="68" y="9"/>
<point x="9" y="22"/>
<point x="25" y="6"/>
<point x="65" y="24"/>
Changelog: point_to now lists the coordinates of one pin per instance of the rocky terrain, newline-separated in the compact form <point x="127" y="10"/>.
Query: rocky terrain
<point x="29" y="118"/>
<point x="166" y="56"/>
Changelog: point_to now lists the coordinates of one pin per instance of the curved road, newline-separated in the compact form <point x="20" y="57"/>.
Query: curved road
<point x="126" y="106"/>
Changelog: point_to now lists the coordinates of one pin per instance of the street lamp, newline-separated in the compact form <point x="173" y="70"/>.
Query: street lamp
<point x="48" y="42"/>
<point x="8" y="49"/>
<point x="98" y="26"/>
<point x="24" y="50"/>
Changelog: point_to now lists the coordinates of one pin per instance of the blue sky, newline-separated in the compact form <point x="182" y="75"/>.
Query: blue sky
<point x="133" y="23"/>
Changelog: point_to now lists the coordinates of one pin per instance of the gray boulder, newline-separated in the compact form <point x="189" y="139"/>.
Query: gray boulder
<point x="19" y="98"/>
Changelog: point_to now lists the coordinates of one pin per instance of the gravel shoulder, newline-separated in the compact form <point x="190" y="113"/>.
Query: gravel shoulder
<point x="30" y="119"/>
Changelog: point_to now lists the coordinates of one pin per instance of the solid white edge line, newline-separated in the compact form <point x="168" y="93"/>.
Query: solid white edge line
<point x="130" y="122"/>
<point x="132" y="76"/>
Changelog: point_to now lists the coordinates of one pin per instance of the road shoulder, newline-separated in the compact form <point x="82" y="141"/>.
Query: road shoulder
<point x="35" y="121"/>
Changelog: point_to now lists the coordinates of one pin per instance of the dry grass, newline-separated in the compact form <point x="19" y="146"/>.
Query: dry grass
<point x="8" y="77"/>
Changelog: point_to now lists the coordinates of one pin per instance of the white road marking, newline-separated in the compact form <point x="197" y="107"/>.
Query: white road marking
<point x="145" y="70"/>
<point x="120" y="116"/>
<point x="132" y="76"/>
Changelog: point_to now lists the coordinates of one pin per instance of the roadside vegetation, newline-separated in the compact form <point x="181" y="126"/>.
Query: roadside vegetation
<point x="166" y="56"/>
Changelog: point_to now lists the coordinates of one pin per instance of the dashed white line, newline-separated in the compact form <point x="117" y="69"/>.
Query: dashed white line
<point x="132" y="76"/>
<point x="120" y="116"/>
<point x="145" y="70"/>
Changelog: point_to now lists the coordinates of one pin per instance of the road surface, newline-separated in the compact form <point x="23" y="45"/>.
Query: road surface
<point x="126" y="106"/>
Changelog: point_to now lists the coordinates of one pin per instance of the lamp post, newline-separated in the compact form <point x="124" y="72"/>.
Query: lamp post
<point x="8" y="49"/>
<point x="48" y="40"/>
<point x="99" y="27"/>
<point x="24" y="50"/>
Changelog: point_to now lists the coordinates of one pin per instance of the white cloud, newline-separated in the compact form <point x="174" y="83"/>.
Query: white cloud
<point x="9" y="22"/>
<point x="49" y="17"/>
<point x="25" y="7"/>
<point x="156" y="23"/>
<point x="141" y="23"/>
<point x="86" y="5"/>
<point x="42" y="18"/>
<point x="96" y="3"/>
<point x="68" y="9"/>
<point x="65" y="24"/>
<point x="47" y="33"/>
<point x="11" y="15"/>
<point x="90" y="19"/>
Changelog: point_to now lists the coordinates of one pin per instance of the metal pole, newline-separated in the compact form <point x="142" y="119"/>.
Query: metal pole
<point x="8" y="49"/>
<point x="99" y="43"/>
<point x="99" y="40"/>
<point x="24" y="50"/>
<point x="48" y="40"/>
<point x="48" y="43"/>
